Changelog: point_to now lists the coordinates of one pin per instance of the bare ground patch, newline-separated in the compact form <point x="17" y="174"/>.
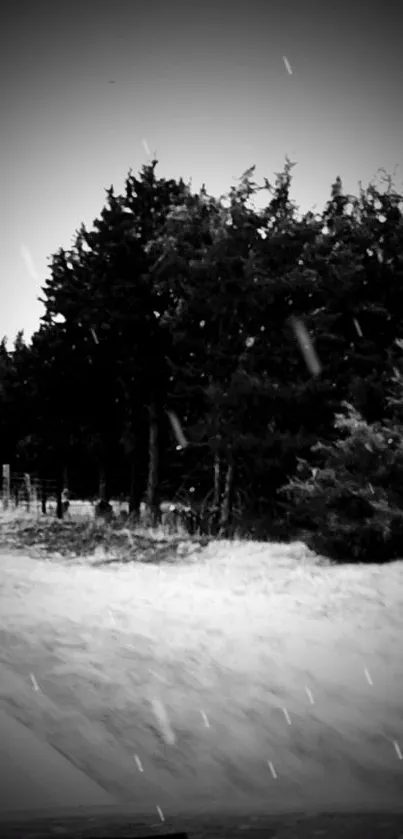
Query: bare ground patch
<point x="248" y="677"/>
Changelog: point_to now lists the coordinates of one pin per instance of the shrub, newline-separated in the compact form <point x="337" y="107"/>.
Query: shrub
<point x="354" y="500"/>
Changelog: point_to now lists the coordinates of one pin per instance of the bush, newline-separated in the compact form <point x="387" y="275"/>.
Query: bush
<point x="354" y="500"/>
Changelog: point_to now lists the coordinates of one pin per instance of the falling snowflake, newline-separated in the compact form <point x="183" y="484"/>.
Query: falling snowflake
<point x="306" y="346"/>
<point x="287" y="65"/>
<point x="177" y="429"/>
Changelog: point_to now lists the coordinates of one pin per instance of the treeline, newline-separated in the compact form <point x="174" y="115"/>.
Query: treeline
<point x="182" y="303"/>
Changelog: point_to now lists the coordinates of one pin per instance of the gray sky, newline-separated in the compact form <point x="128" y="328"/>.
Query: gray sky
<point x="206" y="85"/>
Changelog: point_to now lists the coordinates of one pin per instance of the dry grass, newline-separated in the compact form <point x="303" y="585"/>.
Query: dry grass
<point x="181" y="660"/>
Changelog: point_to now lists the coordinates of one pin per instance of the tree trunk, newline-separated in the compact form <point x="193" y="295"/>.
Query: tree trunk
<point x="217" y="493"/>
<point x="103" y="508"/>
<point x="217" y="480"/>
<point x="59" y="490"/>
<point x="226" y="504"/>
<point x="103" y="484"/>
<point x="66" y="478"/>
<point x="27" y="490"/>
<point x="135" y="494"/>
<point x="152" y="500"/>
<point x="44" y="497"/>
<point x="6" y="486"/>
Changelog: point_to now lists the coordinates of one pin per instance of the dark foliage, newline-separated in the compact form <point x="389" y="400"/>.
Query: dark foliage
<point x="181" y="302"/>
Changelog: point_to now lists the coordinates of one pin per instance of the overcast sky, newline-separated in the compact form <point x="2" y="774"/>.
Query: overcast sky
<point x="211" y="87"/>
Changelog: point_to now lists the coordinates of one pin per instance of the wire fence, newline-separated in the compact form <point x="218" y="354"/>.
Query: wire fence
<point x="26" y="495"/>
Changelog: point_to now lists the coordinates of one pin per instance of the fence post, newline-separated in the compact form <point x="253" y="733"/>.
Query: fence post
<point x="6" y="485"/>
